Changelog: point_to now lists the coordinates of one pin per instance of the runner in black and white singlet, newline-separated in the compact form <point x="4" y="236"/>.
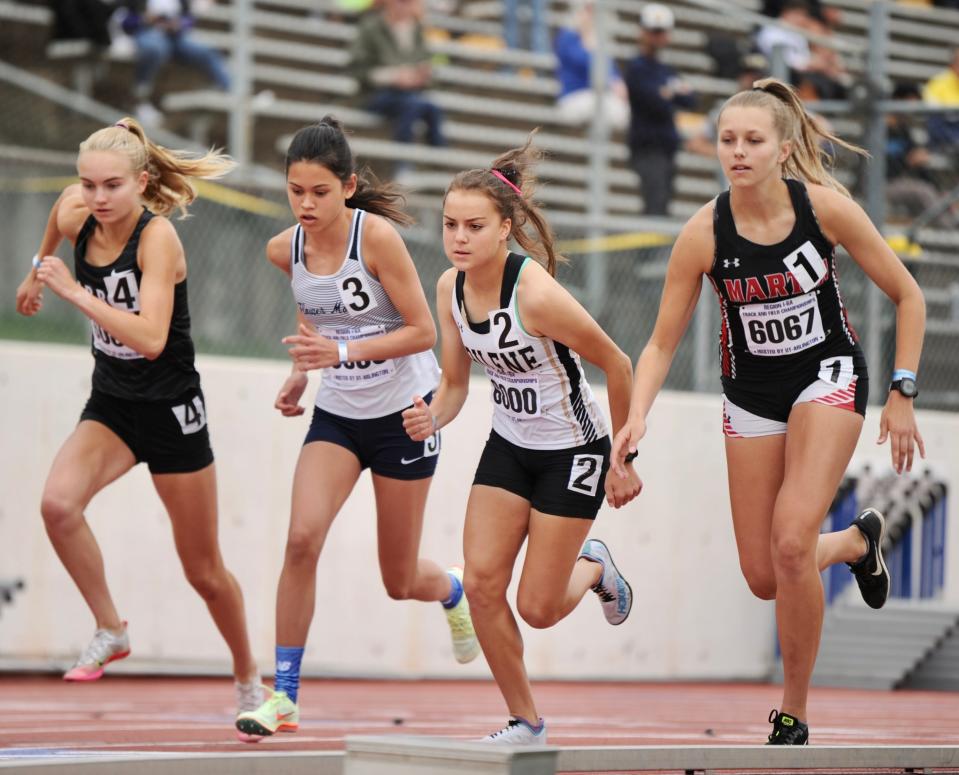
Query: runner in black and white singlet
<point x="146" y="404"/>
<point x="793" y="373"/>
<point x="543" y="470"/>
<point x="365" y="323"/>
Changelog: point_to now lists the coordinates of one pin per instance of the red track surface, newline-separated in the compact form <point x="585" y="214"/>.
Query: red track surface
<point x="195" y="715"/>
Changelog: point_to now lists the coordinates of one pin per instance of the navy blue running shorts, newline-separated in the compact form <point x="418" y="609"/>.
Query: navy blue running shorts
<point x="171" y="437"/>
<point x="379" y="443"/>
<point x="562" y="482"/>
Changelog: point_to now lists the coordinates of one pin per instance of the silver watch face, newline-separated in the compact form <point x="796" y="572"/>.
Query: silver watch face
<point x="908" y="387"/>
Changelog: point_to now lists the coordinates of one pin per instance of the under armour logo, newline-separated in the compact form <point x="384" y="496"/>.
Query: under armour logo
<point x="730" y="262"/>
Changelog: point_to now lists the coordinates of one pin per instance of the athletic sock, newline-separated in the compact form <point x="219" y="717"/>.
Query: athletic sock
<point x="287" y="679"/>
<point x="456" y="592"/>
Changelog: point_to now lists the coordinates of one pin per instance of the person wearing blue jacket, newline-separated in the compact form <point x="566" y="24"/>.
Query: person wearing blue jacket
<point x="655" y="92"/>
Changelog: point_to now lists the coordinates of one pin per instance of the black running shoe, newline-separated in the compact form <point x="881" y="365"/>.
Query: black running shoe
<point x="787" y="730"/>
<point x="870" y="571"/>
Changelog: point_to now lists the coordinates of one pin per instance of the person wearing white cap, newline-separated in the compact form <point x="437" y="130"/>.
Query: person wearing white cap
<point x="655" y="91"/>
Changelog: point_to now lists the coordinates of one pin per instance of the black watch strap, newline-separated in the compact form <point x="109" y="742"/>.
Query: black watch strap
<point x="906" y="386"/>
<point x="631" y="456"/>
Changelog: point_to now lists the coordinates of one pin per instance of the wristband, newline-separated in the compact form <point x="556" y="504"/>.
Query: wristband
<point x="343" y="352"/>
<point x="433" y="419"/>
<point x="903" y="374"/>
<point x="36" y="262"/>
<point x="630" y="457"/>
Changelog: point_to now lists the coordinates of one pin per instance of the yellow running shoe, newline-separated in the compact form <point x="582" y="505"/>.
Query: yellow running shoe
<point x="465" y="645"/>
<point x="277" y="714"/>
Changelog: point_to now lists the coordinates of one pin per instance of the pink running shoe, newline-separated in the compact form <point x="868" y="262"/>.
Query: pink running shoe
<point x="106" y="647"/>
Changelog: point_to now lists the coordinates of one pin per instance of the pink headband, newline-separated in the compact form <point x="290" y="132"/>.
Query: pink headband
<point x="502" y="177"/>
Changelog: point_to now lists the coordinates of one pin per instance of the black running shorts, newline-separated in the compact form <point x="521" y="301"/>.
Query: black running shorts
<point x="563" y="482"/>
<point x="171" y="437"/>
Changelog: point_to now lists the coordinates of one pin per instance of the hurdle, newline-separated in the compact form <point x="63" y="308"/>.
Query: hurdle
<point x="401" y="755"/>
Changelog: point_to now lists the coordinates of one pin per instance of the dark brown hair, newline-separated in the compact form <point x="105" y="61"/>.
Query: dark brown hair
<point x="516" y="166"/>
<point x="325" y="143"/>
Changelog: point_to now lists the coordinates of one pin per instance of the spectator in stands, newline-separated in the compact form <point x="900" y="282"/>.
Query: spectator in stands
<point x="161" y="31"/>
<point x="535" y="25"/>
<point x="577" y="100"/>
<point x="943" y="90"/>
<point x="655" y="91"/>
<point x="392" y="63"/>
<point x="910" y="182"/>
<point x="817" y="71"/>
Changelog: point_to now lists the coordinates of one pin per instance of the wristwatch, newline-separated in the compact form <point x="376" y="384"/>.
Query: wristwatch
<point x="906" y="386"/>
<point x="630" y="457"/>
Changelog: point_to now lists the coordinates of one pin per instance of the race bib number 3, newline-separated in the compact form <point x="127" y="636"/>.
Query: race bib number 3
<point x="356" y="293"/>
<point x="517" y="396"/>
<point x="782" y="327"/>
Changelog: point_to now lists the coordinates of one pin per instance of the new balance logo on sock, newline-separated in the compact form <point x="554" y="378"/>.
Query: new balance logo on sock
<point x="284" y="666"/>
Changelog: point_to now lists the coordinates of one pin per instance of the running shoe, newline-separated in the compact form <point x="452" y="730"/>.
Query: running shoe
<point x="519" y="732"/>
<point x="277" y="714"/>
<point x="249" y="697"/>
<point x="787" y="730"/>
<point x="465" y="645"/>
<point x="106" y="647"/>
<point x="870" y="571"/>
<point x="613" y="591"/>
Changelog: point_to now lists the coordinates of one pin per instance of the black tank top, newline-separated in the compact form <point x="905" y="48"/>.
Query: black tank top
<point x="780" y="305"/>
<point x="119" y="370"/>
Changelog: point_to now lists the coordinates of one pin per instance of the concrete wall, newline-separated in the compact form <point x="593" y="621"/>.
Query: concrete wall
<point x="693" y="616"/>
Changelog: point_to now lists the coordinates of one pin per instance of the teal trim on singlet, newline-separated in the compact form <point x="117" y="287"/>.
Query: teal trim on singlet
<point x="519" y="318"/>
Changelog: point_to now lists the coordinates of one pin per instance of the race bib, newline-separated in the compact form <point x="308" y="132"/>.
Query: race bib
<point x="122" y="292"/>
<point x="806" y="266"/>
<point x="356" y="293"/>
<point x="516" y="395"/>
<point x="357" y="374"/>
<point x="782" y="327"/>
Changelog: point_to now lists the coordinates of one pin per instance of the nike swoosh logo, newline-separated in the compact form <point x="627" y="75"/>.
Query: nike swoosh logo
<point x="878" y="570"/>
<point x="406" y="462"/>
<point x="283" y="716"/>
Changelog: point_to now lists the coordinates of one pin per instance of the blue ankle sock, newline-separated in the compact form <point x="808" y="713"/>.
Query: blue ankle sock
<point x="456" y="592"/>
<point x="287" y="679"/>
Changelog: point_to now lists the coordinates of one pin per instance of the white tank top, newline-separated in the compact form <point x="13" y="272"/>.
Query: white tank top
<point x="348" y="305"/>
<point x="541" y="399"/>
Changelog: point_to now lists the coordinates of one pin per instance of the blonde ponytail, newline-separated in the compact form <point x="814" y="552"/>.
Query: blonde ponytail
<point x="169" y="186"/>
<point x="809" y="160"/>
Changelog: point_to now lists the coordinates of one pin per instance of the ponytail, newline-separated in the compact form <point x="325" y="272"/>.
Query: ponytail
<point x="169" y="173"/>
<point x="809" y="159"/>
<point x="510" y="183"/>
<point x="325" y="143"/>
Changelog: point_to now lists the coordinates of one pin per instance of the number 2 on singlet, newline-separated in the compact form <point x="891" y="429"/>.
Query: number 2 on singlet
<point x="584" y="474"/>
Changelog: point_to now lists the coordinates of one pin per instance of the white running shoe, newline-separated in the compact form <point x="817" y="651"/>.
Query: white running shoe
<point x="249" y="697"/>
<point x="106" y="647"/>
<point x="465" y="645"/>
<point x="518" y="732"/>
<point x="613" y="591"/>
